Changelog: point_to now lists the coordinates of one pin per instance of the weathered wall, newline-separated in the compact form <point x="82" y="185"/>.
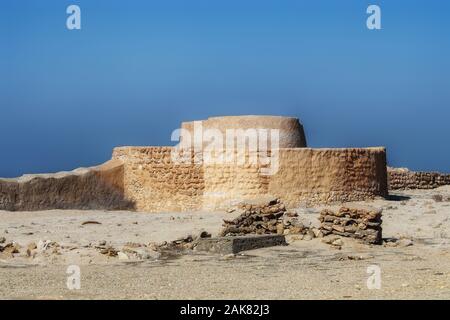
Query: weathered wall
<point x="154" y="183"/>
<point x="329" y="175"/>
<point x="227" y="184"/>
<point x="98" y="187"/>
<point x="402" y="178"/>
<point x="146" y="179"/>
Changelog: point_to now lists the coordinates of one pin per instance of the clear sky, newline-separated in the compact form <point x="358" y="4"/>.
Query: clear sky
<point x="137" y="68"/>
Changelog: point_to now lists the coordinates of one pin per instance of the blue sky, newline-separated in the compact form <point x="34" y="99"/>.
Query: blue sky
<point x="138" y="68"/>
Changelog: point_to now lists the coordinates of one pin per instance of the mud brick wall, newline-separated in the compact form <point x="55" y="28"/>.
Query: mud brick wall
<point x="98" y="187"/>
<point x="227" y="184"/>
<point x="401" y="178"/>
<point x="155" y="183"/>
<point x="329" y="175"/>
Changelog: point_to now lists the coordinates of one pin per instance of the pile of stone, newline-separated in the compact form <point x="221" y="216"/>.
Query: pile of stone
<point x="8" y="249"/>
<point x="183" y="243"/>
<point x="263" y="216"/>
<point x="12" y="249"/>
<point x="359" y="223"/>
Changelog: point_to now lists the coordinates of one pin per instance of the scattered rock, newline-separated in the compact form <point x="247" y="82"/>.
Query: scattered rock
<point x="307" y="237"/>
<point x="148" y="254"/>
<point x="437" y="197"/>
<point x="133" y="245"/>
<point x="90" y="222"/>
<point x="203" y="234"/>
<point x="109" y="251"/>
<point x="404" y="243"/>
<point x="44" y="245"/>
<point x="292" y="238"/>
<point x="359" y="257"/>
<point x="2" y="239"/>
<point x="317" y="233"/>
<point x="390" y="244"/>
<point x="291" y="214"/>
<point x="329" y="239"/>
<point x="10" y="248"/>
<point x="430" y="212"/>
<point x="30" y="248"/>
<point x="122" y="256"/>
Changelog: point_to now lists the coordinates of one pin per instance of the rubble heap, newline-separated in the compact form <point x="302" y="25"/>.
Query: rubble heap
<point x="358" y="223"/>
<point x="263" y="217"/>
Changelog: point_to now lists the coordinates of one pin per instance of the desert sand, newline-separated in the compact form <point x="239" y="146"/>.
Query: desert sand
<point x="414" y="260"/>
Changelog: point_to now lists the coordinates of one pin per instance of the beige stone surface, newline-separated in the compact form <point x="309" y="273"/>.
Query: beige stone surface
<point x="329" y="175"/>
<point x="154" y="183"/>
<point x="291" y="131"/>
<point x="99" y="187"/>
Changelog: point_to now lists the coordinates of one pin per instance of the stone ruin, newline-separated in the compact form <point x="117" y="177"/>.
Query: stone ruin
<point x="403" y="178"/>
<point x="149" y="179"/>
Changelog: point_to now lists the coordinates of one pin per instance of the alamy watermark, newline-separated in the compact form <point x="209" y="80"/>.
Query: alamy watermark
<point x="374" y="279"/>
<point x="374" y="20"/>
<point x="73" y="21"/>
<point x="74" y="279"/>
<point x="209" y="146"/>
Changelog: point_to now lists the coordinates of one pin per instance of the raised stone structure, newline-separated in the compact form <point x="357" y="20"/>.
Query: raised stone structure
<point x="149" y="179"/>
<point x="154" y="183"/>
<point x="291" y="132"/>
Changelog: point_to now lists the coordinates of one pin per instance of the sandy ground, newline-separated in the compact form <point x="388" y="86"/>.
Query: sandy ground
<point x="417" y="268"/>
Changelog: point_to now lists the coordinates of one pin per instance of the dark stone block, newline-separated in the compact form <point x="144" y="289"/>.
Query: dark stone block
<point x="227" y="245"/>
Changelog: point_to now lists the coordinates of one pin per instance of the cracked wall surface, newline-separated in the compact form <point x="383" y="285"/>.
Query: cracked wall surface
<point x="155" y="183"/>
<point x="99" y="187"/>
